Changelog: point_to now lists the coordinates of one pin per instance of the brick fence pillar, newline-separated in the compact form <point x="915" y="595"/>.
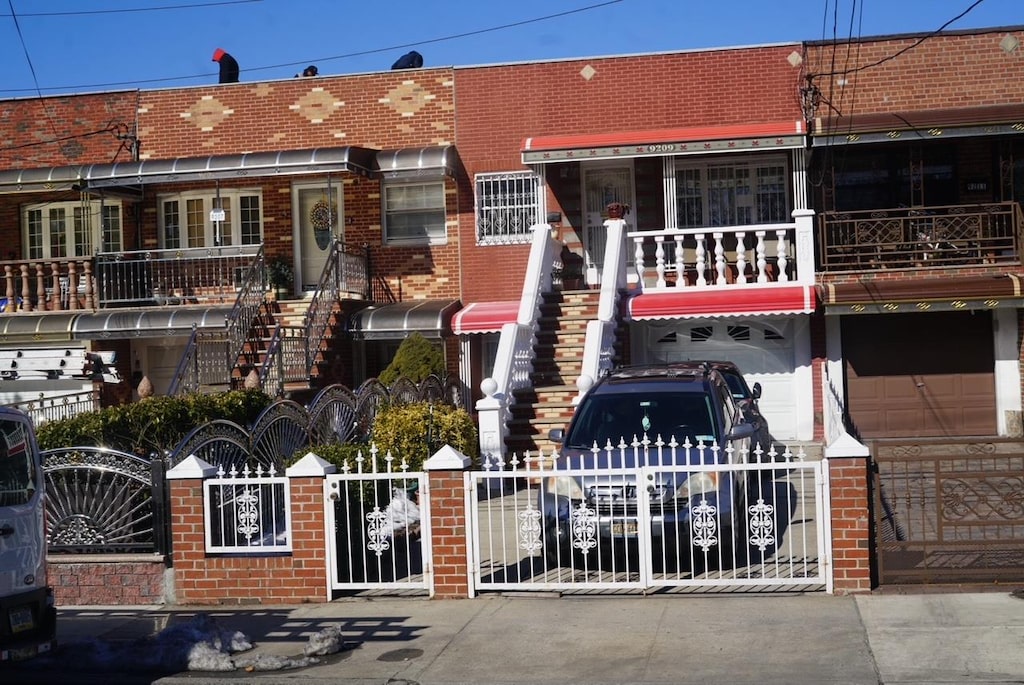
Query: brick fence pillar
<point x="188" y="527"/>
<point x="446" y="491"/>
<point x="850" y="510"/>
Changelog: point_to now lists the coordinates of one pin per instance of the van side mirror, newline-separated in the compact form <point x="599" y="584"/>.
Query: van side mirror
<point x="556" y="435"/>
<point x="755" y="391"/>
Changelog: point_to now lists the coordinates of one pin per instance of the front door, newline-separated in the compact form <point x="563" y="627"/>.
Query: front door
<point x="317" y="212"/>
<point x="602" y="185"/>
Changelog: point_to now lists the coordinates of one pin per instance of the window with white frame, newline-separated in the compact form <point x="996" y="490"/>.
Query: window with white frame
<point x="733" y="192"/>
<point x="506" y="207"/>
<point x="414" y="213"/>
<point x="209" y="219"/>
<point x="59" y="230"/>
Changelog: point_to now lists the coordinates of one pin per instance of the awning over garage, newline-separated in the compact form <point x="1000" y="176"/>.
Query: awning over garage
<point x="687" y="303"/>
<point x="148" y="323"/>
<point x="484" y="317"/>
<point x="430" y="318"/>
<point x="663" y="142"/>
<point x="236" y="166"/>
<point x="935" y="124"/>
<point x="417" y="162"/>
<point x="876" y="296"/>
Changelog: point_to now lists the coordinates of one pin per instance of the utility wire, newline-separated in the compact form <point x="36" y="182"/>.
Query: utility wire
<point x="129" y="9"/>
<point x="360" y="53"/>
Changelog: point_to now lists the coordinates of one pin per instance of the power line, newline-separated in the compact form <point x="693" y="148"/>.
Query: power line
<point x="129" y="9"/>
<point x="349" y="55"/>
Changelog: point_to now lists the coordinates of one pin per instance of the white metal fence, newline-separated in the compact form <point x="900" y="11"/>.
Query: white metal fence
<point x="648" y="515"/>
<point x="247" y="511"/>
<point x="378" y="524"/>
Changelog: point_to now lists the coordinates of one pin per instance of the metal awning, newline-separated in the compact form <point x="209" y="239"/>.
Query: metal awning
<point x="754" y="300"/>
<point x="430" y="318"/>
<point x="484" y="317"/>
<point x="928" y="125"/>
<point x="214" y="167"/>
<point x="42" y="327"/>
<point x="147" y="323"/>
<point x="664" y="142"/>
<point x="417" y="162"/>
<point x="879" y="296"/>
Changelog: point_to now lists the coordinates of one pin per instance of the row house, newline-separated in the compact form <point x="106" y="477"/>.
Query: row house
<point x="543" y="221"/>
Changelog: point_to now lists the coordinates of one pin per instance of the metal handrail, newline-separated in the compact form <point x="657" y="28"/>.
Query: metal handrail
<point x="345" y="270"/>
<point x="251" y="297"/>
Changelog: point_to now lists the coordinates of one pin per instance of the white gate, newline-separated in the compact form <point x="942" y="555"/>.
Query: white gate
<point x="377" y="525"/>
<point x="637" y="521"/>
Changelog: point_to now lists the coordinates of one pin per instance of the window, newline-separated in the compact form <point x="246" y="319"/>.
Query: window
<point x="206" y="220"/>
<point x="414" y="213"/>
<point x="734" y="193"/>
<point x="59" y="230"/>
<point x="506" y="207"/>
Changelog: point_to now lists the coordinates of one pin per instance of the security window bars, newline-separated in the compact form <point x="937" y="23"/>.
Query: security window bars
<point x="414" y="213"/>
<point x="59" y="230"/>
<point x="206" y="219"/>
<point x="506" y="207"/>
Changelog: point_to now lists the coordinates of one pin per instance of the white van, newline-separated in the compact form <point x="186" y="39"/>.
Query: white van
<point x="28" y="617"/>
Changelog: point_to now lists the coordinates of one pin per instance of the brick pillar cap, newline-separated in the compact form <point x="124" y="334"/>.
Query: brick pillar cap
<point x="447" y="459"/>
<point x="191" y="467"/>
<point x="310" y="465"/>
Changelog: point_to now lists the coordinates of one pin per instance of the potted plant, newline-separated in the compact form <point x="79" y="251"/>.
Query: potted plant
<point x="280" y="274"/>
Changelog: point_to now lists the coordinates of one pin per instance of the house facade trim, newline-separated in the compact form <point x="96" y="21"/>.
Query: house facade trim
<point x="922" y="295"/>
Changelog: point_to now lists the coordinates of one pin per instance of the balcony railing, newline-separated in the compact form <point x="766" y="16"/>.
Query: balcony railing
<point x="44" y="285"/>
<point x="919" y="238"/>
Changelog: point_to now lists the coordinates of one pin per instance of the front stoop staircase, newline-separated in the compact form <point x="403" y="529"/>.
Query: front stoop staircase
<point x="546" y="402"/>
<point x="289" y="314"/>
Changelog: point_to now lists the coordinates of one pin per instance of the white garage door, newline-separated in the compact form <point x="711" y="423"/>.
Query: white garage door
<point x="764" y="351"/>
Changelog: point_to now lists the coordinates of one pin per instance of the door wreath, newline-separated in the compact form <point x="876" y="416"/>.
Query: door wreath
<point x="322" y="216"/>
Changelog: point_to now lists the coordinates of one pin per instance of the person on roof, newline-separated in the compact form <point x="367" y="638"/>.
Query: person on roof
<point x="228" y="66"/>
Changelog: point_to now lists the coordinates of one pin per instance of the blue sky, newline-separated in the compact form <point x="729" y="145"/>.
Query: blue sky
<point x="116" y="45"/>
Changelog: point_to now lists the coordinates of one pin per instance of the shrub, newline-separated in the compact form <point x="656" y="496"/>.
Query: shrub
<point x="415" y="431"/>
<point x="415" y="359"/>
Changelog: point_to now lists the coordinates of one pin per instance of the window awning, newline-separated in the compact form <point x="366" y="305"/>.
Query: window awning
<point x="484" y="317"/>
<point x="214" y="167"/>
<point x="877" y="296"/>
<point x="930" y="125"/>
<point x="664" y="142"/>
<point x="430" y="318"/>
<point x="148" y="323"/>
<point x="689" y="303"/>
<point x="42" y="327"/>
<point x="417" y="162"/>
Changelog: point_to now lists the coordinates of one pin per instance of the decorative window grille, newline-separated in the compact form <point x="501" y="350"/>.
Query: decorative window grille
<point x="506" y="207"/>
<point x="247" y="512"/>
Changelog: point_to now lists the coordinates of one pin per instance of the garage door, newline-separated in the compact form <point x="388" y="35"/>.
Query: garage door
<point x="762" y="350"/>
<point x="920" y="375"/>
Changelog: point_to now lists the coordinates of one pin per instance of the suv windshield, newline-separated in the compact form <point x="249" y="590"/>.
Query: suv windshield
<point x="612" y="417"/>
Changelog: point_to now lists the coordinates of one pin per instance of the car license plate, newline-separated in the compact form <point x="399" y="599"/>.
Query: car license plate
<point x="624" y="528"/>
<point x="21" y="619"/>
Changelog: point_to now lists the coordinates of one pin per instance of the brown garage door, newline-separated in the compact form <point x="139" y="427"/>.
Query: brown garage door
<point x="920" y="375"/>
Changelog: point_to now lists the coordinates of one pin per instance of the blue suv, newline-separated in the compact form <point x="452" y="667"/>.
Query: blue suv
<point x="666" y="423"/>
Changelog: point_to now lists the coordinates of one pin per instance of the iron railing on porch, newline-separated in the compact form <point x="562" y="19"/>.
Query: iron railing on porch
<point x="919" y="238"/>
<point x="58" y="407"/>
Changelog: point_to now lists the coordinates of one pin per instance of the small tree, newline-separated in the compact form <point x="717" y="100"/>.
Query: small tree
<point x="415" y="359"/>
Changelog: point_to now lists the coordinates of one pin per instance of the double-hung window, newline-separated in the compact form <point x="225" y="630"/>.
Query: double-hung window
<point x="60" y="230"/>
<point x="506" y="207"/>
<point x="737" y="192"/>
<point x="414" y="213"/>
<point x="210" y="219"/>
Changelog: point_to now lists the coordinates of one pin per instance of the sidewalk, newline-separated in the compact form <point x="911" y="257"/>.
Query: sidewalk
<point x="546" y="640"/>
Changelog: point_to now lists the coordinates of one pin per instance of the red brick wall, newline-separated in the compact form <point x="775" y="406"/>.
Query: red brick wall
<point x="296" y="578"/>
<point x="497" y="107"/>
<point x="956" y="70"/>
<point x="107" y="580"/>
<point x="851" y="525"/>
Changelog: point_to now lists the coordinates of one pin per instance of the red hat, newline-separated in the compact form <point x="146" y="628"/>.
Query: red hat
<point x="217" y="54"/>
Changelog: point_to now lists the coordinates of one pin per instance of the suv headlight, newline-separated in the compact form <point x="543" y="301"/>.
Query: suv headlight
<point x="701" y="482"/>
<point x="564" y="486"/>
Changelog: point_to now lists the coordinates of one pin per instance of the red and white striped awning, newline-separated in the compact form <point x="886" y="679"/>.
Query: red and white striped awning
<point x="484" y="317"/>
<point x="689" y="303"/>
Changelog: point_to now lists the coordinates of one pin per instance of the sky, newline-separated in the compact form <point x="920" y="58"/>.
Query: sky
<point x="53" y="47"/>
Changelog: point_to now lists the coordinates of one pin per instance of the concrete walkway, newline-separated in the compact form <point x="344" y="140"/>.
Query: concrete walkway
<point x="547" y="640"/>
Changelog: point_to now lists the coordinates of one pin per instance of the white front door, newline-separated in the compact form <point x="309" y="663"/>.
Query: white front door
<point x="602" y="185"/>
<point x="317" y="221"/>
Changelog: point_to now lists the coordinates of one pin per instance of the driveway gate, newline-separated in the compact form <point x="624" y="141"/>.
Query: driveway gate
<point x="949" y="511"/>
<point x="777" y="539"/>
